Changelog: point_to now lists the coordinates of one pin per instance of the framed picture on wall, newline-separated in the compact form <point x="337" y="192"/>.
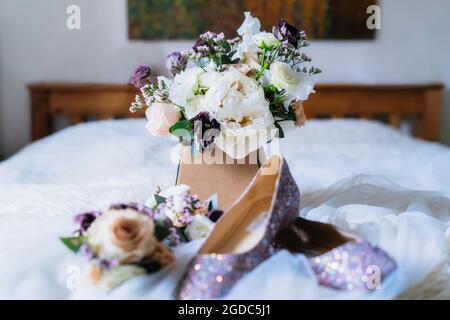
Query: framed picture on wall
<point x="185" y="19"/>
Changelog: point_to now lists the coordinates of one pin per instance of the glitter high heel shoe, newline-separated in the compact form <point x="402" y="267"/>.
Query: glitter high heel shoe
<point x="243" y="237"/>
<point x="339" y="261"/>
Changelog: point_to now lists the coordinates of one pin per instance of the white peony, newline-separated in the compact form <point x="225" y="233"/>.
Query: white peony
<point x="187" y="87"/>
<point x="247" y="30"/>
<point x="123" y="235"/>
<point x="183" y="85"/>
<point x="297" y="84"/>
<point x="199" y="227"/>
<point x="265" y="40"/>
<point x="239" y="104"/>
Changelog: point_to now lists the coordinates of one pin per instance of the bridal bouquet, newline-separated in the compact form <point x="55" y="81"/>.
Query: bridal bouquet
<point x="230" y="93"/>
<point x="131" y="239"/>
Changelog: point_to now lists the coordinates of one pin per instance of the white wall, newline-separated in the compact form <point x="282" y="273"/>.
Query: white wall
<point x="35" y="45"/>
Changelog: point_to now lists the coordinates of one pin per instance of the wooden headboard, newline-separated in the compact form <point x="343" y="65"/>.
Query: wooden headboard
<point x="84" y="102"/>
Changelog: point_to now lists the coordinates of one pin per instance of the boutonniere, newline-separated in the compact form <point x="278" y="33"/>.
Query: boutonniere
<point x="121" y="243"/>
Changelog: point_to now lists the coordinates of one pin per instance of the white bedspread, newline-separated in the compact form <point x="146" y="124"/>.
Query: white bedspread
<point x="364" y="177"/>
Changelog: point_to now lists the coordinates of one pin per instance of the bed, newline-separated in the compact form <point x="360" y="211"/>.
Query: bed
<point x="369" y="178"/>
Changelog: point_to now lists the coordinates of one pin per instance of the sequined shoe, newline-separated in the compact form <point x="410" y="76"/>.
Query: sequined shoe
<point x="339" y="261"/>
<point x="243" y="238"/>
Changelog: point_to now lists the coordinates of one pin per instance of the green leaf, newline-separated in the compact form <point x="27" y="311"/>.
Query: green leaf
<point x="226" y="46"/>
<point x="74" y="243"/>
<point x="280" y="131"/>
<point x="159" y="199"/>
<point x="182" y="124"/>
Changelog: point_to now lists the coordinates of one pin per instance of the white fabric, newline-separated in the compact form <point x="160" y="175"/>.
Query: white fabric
<point x="364" y="177"/>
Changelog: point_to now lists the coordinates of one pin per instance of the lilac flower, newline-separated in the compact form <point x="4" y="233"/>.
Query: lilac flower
<point x="85" y="220"/>
<point x="176" y="62"/>
<point x="206" y="129"/>
<point x="201" y="48"/>
<point x="287" y="33"/>
<point x="141" y="76"/>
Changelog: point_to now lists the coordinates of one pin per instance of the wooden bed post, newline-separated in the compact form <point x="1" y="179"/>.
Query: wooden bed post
<point x="41" y="119"/>
<point x="429" y="127"/>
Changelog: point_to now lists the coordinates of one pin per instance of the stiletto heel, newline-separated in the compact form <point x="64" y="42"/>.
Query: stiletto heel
<point x="338" y="260"/>
<point x="244" y="236"/>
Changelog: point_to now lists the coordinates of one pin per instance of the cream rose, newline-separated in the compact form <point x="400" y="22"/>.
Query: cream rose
<point x="265" y="40"/>
<point x="123" y="235"/>
<point x="199" y="227"/>
<point x="161" y="116"/>
<point x="297" y="84"/>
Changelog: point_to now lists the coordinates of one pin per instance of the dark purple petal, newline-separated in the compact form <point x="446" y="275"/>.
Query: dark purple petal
<point x="141" y="76"/>
<point x="286" y="33"/>
<point x="206" y="129"/>
<point x="85" y="219"/>
<point x="215" y="215"/>
<point x="176" y="62"/>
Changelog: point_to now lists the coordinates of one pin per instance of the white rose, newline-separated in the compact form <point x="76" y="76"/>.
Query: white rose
<point x="123" y="235"/>
<point x="265" y="40"/>
<point x="178" y="190"/>
<point x="199" y="227"/>
<point x="239" y="104"/>
<point x="297" y="84"/>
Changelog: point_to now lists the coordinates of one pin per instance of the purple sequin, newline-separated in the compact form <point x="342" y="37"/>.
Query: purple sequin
<point x="355" y="265"/>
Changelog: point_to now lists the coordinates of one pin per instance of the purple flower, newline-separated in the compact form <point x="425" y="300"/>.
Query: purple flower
<point x="176" y="62"/>
<point x="201" y="48"/>
<point x="215" y="215"/>
<point x="141" y="76"/>
<point x="206" y="129"/>
<point x="85" y="220"/>
<point x="286" y="33"/>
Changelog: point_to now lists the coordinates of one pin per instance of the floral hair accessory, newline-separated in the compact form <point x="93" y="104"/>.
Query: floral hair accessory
<point x="121" y="243"/>
<point x="243" y="89"/>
